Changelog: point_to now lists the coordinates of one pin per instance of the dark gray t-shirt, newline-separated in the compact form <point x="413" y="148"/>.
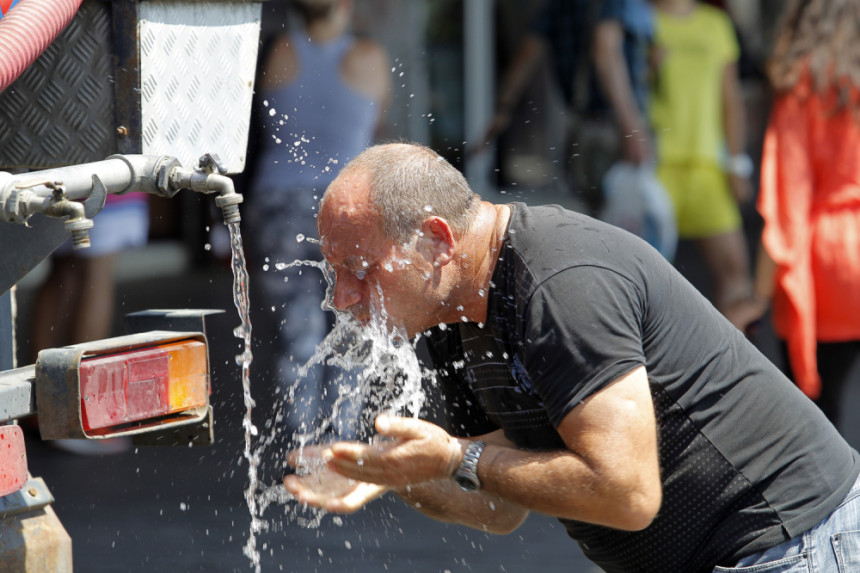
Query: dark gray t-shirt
<point x="747" y="461"/>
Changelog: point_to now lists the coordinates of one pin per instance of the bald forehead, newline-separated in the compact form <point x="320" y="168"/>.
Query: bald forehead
<point x="347" y="209"/>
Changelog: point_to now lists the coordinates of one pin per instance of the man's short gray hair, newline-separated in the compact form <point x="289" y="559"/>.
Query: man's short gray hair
<point x="410" y="182"/>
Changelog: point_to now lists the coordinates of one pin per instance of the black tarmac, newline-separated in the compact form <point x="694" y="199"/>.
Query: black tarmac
<point x="183" y="509"/>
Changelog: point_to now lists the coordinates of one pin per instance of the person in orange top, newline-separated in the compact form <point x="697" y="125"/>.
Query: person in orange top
<point x="809" y="263"/>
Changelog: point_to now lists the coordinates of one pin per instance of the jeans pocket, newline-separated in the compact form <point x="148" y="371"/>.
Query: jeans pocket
<point x="846" y="546"/>
<point x="794" y="564"/>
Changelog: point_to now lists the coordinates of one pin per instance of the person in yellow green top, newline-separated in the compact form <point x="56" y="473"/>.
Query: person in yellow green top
<point x="698" y="120"/>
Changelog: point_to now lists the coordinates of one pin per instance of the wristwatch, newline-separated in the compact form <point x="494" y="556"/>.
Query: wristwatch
<point x="466" y="475"/>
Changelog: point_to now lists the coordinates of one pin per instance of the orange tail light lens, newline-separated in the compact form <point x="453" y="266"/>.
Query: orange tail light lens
<point x="146" y="383"/>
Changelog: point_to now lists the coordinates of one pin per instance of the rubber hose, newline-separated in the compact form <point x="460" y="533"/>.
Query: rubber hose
<point x="27" y="30"/>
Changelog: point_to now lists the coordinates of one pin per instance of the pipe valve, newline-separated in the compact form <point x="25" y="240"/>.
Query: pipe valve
<point x="22" y="201"/>
<point x="77" y="192"/>
<point x="209" y="178"/>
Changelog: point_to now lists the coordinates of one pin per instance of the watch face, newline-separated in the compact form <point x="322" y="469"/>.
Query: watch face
<point x="466" y="482"/>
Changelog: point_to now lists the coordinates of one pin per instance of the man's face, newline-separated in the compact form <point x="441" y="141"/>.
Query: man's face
<point x="373" y="274"/>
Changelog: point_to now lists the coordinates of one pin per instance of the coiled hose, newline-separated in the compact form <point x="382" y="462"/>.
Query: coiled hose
<point x="27" y="30"/>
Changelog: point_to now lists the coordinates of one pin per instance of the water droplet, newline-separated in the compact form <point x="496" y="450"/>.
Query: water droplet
<point x="299" y="238"/>
<point x="272" y="112"/>
<point x="183" y="506"/>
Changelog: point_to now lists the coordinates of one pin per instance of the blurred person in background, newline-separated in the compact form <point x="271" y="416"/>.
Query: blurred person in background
<point x="599" y="55"/>
<point x="698" y="118"/>
<point x="808" y="262"/>
<point x="76" y="302"/>
<point x="323" y="94"/>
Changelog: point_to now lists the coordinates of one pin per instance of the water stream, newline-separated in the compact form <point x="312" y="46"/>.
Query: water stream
<point x="243" y="332"/>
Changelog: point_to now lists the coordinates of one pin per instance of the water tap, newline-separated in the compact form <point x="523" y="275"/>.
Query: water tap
<point x="210" y="177"/>
<point x="21" y="202"/>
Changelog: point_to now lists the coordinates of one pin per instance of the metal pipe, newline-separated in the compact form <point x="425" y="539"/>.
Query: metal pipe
<point x="56" y="192"/>
<point x="117" y="173"/>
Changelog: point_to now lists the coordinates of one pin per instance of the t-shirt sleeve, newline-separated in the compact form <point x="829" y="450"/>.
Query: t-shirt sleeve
<point x="725" y="38"/>
<point x="584" y="332"/>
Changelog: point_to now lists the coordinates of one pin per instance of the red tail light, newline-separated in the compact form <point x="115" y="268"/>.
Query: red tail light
<point x="147" y="383"/>
<point x="132" y="386"/>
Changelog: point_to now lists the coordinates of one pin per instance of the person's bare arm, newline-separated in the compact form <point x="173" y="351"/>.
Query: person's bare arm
<point x="747" y="311"/>
<point x="615" y="83"/>
<point x="608" y="475"/>
<point x="366" y="69"/>
<point x="530" y="52"/>
<point x="734" y="128"/>
<point x="443" y="500"/>
<point x="280" y="65"/>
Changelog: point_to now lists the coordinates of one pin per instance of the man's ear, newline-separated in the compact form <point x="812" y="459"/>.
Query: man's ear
<point x="437" y="241"/>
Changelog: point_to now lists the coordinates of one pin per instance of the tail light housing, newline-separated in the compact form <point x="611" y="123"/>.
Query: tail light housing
<point x="123" y="386"/>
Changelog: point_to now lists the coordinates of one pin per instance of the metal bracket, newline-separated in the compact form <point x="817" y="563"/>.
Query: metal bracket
<point x="184" y="319"/>
<point x="199" y="433"/>
<point x="34" y="495"/>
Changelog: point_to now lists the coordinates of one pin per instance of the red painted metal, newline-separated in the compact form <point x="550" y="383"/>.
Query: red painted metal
<point x="13" y="460"/>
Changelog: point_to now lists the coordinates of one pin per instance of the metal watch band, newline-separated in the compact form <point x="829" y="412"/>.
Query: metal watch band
<point x="466" y="475"/>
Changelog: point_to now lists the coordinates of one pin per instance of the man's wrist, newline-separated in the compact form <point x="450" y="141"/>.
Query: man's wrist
<point x="466" y="474"/>
<point x="458" y="449"/>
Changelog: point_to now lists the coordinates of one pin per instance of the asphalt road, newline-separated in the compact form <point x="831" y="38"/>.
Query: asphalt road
<point x="183" y="509"/>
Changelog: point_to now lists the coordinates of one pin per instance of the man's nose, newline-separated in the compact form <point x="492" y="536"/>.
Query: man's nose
<point x="346" y="291"/>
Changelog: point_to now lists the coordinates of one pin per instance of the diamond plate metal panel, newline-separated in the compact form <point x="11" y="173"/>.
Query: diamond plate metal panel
<point x="197" y="67"/>
<point x="60" y="110"/>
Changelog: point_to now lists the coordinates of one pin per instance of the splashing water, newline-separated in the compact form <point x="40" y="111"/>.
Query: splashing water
<point x="372" y="371"/>
<point x="376" y="371"/>
<point x="243" y="332"/>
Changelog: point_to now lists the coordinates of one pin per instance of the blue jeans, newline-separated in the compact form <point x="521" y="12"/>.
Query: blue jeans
<point x="832" y="546"/>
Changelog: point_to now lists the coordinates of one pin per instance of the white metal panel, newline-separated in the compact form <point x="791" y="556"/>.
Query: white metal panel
<point x="197" y="66"/>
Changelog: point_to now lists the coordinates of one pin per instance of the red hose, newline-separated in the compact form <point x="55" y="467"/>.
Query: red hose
<point x="27" y="30"/>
